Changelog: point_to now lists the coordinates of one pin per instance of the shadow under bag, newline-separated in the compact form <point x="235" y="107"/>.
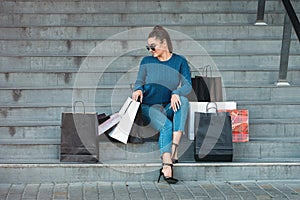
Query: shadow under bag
<point x="213" y="137"/>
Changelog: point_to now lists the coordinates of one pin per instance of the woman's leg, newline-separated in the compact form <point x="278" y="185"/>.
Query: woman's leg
<point x="179" y="121"/>
<point x="155" y="116"/>
<point x="158" y="120"/>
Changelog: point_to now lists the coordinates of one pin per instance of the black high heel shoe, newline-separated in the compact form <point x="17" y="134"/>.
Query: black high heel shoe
<point x="175" y="151"/>
<point x="170" y="179"/>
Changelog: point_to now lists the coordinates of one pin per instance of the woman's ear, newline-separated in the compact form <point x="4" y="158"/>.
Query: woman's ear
<point x="164" y="42"/>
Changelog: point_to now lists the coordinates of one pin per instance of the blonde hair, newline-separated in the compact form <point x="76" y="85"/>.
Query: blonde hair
<point x="161" y="34"/>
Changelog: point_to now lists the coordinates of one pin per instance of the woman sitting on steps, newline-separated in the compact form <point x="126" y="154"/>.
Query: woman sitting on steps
<point x="163" y="81"/>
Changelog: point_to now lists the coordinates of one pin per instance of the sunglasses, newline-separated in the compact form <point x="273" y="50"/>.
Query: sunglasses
<point x="150" y="47"/>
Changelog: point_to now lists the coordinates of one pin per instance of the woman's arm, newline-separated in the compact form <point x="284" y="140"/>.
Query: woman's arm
<point x="185" y="78"/>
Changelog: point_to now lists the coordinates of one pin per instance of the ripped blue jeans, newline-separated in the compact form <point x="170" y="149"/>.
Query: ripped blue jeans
<point x="166" y="121"/>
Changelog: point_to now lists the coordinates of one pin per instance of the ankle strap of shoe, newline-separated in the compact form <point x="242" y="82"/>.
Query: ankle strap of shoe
<point x="167" y="164"/>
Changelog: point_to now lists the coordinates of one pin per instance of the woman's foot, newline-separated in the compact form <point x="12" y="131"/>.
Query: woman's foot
<point x="167" y="172"/>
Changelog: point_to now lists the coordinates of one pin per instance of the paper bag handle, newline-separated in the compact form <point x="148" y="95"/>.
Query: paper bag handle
<point x="215" y="107"/>
<point x="205" y="69"/>
<point x="74" y="106"/>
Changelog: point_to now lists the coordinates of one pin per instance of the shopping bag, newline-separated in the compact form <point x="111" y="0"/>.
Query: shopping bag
<point x="79" y="136"/>
<point x="206" y="88"/>
<point x="102" y="118"/>
<point x="214" y="84"/>
<point x="213" y="139"/>
<point x="137" y="130"/>
<point x="200" y="90"/>
<point x="201" y="107"/>
<point x="114" y="118"/>
<point x="240" y="124"/>
<point x="122" y="130"/>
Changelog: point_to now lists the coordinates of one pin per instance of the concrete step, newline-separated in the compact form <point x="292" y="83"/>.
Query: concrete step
<point x="274" y="128"/>
<point x="125" y="63"/>
<point x="281" y="129"/>
<point x="265" y="93"/>
<point x="219" y="32"/>
<point x="257" y="150"/>
<point x="105" y="94"/>
<point x="62" y="97"/>
<point x="135" y="19"/>
<point x="37" y="149"/>
<point x="257" y="77"/>
<point x="29" y="152"/>
<point x="137" y="47"/>
<point x="27" y="173"/>
<point x="211" y="6"/>
<point x="19" y="131"/>
<point x="265" y="111"/>
<point x="105" y="80"/>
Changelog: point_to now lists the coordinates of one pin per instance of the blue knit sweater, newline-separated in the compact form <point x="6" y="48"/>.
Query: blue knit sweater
<point x="160" y="79"/>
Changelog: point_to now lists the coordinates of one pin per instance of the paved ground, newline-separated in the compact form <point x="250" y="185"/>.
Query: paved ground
<point x="153" y="190"/>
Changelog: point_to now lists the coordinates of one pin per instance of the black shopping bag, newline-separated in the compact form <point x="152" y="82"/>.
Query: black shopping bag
<point x="200" y="90"/>
<point x="213" y="137"/>
<point x="206" y="88"/>
<point x="79" y="137"/>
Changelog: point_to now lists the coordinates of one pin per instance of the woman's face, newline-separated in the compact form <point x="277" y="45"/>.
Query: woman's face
<point x="157" y="47"/>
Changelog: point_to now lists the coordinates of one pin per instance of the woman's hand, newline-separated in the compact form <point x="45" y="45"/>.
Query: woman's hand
<point x="137" y="94"/>
<point x="175" y="102"/>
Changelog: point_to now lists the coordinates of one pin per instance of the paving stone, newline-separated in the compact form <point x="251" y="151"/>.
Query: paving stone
<point x="120" y="190"/>
<point x="31" y="191"/>
<point x="136" y="191"/>
<point x="45" y="191"/>
<point x="105" y="190"/>
<point x="287" y="191"/>
<point x="75" y="191"/>
<point x="182" y="191"/>
<point x="90" y="191"/>
<point x="294" y="185"/>
<point x="257" y="191"/>
<point x="227" y="190"/>
<point x="151" y="191"/>
<point x="242" y="190"/>
<point x="212" y="190"/>
<point x="197" y="191"/>
<point x="274" y="193"/>
<point x="60" y="191"/>
<point x="15" y="192"/>
<point x="166" y="191"/>
<point x="4" y="188"/>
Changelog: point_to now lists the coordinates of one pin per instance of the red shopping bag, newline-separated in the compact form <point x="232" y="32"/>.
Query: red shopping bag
<point x="240" y="125"/>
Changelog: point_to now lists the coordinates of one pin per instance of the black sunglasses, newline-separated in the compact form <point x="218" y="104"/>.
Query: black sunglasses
<point x="150" y="47"/>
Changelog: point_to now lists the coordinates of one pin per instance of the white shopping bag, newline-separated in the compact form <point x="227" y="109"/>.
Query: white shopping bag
<point x="122" y="130"/>
<point x="114" y="118"/>
<point x="201" y="107"/>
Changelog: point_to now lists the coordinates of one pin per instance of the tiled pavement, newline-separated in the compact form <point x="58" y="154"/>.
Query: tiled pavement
<point x="152" y="190"/>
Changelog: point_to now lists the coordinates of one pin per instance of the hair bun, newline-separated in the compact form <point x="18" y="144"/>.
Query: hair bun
<point x="157" y="27"/>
